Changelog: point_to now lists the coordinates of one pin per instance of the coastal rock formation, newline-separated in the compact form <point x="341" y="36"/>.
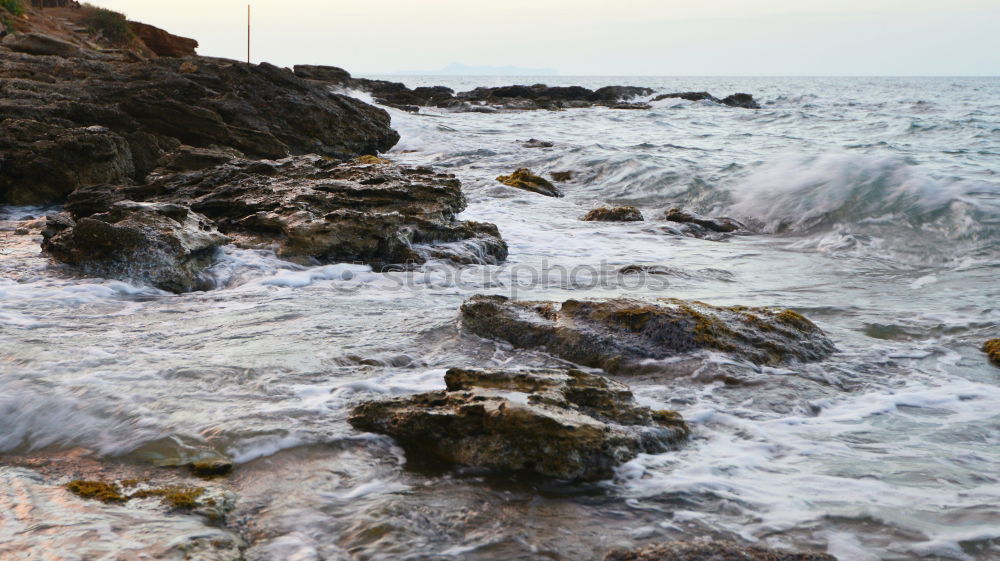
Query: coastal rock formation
<point x="162" y="42"/>
<point x="162" y="244"/>
<point x="538" y="96"/>
<point x="710" y="551"/>
<point x="742" y="100"/>
<point x="522" y="178"/>
<point x="625" y="335"/>
<point x="616" y="214"/>
<point x="565" y="424"/>
<point x="44" y="162"/>
<point x="41" y="44"/>
<point x="148" y="108"/>
<point x="697" y="226"/>
<point x="314" y="208"/>
<point x="992" y="350"/>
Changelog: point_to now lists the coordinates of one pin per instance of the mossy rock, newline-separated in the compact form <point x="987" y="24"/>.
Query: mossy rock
<point x="565" y="424"/>
<point x="616" y="214"/>
<point x="992" y="350"/>
<point x="524" y="179"/>
<point x="625" y="335"/>
<point x="176" y="497"/>
<point x="369" y="159"/>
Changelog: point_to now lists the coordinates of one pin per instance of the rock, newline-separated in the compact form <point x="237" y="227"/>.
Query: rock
<point x="314" y="209"/>
<point x="615" y="94"/>
<point x="261" y="111"/>
<point x="44" y="162"/>
<point x="616" y="214"/>
<point x="161" y="42"/>
<point x="524" y="179"/>
<point x="624" y="335"/>
<point x="558" y="423"/>
<point x="209" y="469"/>
<point x="710" y="551"/>
<point x="41" y="44"/>
<point x="992" y="350"/>
<point x="535" y="143"/>
<point x="690" y="96"/>
<point x="561" y="176"/>
<point x="162" y="244"/>
<point x="744" y="100"/>
<point x="722" y="224"/>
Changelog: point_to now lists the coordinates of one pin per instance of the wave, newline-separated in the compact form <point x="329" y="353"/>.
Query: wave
<point x="802" y="195"/>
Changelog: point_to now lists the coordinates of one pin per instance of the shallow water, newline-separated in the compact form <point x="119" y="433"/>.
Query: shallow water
<point x="878" y="205"/>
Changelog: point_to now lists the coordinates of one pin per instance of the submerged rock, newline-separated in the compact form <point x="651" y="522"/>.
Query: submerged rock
<point x="522" y="178"/>
<point x="561" y="176"/>
<point x="711" y="551"/>
<point x="316" y="209"/>
<point x="616" y="214"/>
<point x="625" y="335"/>
<point x="163" y="244"/>
<point x="565" y="424"/>
<point x="992" y="350"/>
<point x="535" y="143"/>
<point x="721" y="224"/>
<point x="743" y="100"/>
<point x="686" y="223"/>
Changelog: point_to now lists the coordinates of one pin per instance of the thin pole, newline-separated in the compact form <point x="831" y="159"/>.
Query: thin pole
<point x="248" y="33"/>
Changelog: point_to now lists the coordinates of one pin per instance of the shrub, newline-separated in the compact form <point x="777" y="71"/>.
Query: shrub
<point x="13" y="6"/>
<point x="109" y="24"/>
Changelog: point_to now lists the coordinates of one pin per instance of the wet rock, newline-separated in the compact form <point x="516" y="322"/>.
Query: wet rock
<point x="535" y="143"/>
<point x="624" y="335"/>
<point x="992" y="350"/>
<point x="261" y="111"/>
<point x="616" y="94"/>
<point x="162" y="42"/>
<point x="43" y="162"/>
<point x="162" y="244"/>
<point x="41" y="44"/>
<point x="616" y="214"/>
<point x="561" y="176"/>
<point x="208" y="469"/>
<point x="522" y="178"/>
<point x="711" y="551"/>
<point x="315" y="209"/>
<point x="744" y="100"/>
<point x="690" y="96"/>
<point x="721" y="224"/>
<point x="565" y="424"/>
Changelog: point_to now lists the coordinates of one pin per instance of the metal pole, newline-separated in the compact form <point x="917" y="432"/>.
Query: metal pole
<point x="248" y="33"/>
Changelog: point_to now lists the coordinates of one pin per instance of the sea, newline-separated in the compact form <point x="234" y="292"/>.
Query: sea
<point x="875" y="209"/>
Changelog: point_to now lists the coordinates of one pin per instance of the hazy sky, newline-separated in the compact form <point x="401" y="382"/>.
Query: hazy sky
<point x="581" y="37"/>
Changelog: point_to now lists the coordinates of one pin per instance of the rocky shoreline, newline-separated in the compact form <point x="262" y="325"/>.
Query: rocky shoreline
<point x="160" y="157"/>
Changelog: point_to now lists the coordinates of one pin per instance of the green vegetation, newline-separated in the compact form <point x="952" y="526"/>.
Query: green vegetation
<point x="173" y="496"/>
<point x="15" y="7"/>
<point x="111" y="25"/>
<point x="992" y="350"/>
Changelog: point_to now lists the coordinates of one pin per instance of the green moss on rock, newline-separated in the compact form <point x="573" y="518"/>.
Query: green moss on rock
<point x="616" y="214"/>
<point x="992" y="350"/>
<point x="524" y="179"/>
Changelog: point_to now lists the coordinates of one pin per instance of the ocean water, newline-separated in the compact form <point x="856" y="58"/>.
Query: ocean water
<point x="877" y="207"/>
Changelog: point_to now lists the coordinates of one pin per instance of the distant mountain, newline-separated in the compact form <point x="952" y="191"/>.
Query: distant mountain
<point x="456" y="69"/>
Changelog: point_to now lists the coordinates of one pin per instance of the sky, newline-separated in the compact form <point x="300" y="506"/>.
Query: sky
<point x="590" y="37"/>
